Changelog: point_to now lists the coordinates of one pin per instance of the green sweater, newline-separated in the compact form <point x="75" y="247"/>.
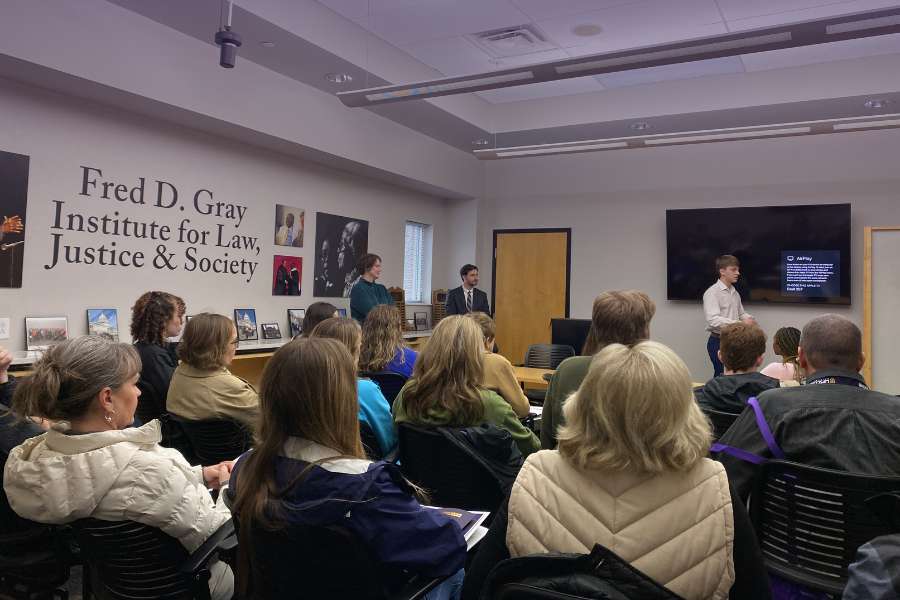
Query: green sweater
<point x="364" y="296"/>
<point x="497" y="411"/>
<point x="566" y="380"/>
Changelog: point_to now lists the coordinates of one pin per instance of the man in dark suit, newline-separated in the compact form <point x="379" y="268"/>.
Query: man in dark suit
<point x="467" y="298"/>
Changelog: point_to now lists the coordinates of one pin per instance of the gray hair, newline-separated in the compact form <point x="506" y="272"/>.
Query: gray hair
<point x="831" y="341"/>
<point x="69" y="376"/>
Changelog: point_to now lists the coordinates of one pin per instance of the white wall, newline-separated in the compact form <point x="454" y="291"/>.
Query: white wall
<point x="615" y="203"/>
<point x="62" y="133"/>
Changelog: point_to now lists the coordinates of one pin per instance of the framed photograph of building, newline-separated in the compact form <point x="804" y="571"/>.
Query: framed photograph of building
<point x="103" y="322"/>
<point x="271" y="331"/>
<point x="245" y="323"/>
<point x="295" y="320"/>
<point x="43" y="332"/>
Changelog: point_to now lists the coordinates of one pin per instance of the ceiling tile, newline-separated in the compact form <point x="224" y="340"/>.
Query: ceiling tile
<point x="716" y="66"/>
<point x="459" y="56"/>
<point x="741" y="14"/>
<point x="636" y="25"/>
<point x="546" y="89"/>
<point x="544" y="9"/>
<point x="807" y="55"/>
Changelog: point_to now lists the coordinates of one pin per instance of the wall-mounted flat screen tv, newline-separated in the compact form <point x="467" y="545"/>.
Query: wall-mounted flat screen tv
<point x="792" y="254"/>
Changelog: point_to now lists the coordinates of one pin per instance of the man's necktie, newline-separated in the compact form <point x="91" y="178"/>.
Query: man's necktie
<point x="468" y="300"/>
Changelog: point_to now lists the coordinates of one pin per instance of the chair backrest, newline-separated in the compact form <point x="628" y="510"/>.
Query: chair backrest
<point x="215" y="440"/>
<point x="810" y="521"/>
<point x="721" y="421"/>
<point x="547" y="356"/>
<point x="452" y="477"/>
<point x="390" y="383"/>
<point x="313" y="562"/>
<point x="132" y="561"/>
<point x="369" y="441"/>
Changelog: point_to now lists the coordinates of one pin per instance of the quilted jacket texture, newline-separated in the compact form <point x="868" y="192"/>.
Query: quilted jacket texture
<point x="113" y="475"/>
<point x="678" y="528"/>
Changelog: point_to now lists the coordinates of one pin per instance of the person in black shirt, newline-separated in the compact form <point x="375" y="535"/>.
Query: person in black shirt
<point x="834" y="421"/>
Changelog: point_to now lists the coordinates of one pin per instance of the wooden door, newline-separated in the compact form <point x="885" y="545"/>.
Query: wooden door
<point x="531" y="286"/>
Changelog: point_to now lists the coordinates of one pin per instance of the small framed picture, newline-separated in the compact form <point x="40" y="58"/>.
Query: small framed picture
<point x="295" y="320"/>
<point x="103" y="322"/>
<point x="43" y="332"/>
<point x="271" y="331"/>
<point x="421" y="320"/>
<point x="342" y="312"/>
<point x="245" y="322"/>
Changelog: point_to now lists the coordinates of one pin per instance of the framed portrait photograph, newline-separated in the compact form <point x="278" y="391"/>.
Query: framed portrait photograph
<point x="271" y="331"/>
<point x="340" y="243"/>
<point x="289" y="223"/>
<point x="103" y="322"/>
<point x="295" y="320"/>
<point x="286" y="274"/>
<point x="43" y="332"/>
<point x="421" y="320"/>
<point x="245" y="323"/>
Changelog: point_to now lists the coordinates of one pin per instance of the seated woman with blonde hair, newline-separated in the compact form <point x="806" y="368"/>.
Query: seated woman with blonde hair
<point x="382" y="342"/>
<point x="498" y="372"/>
<point x="202" y="386"/>
<point x="446" y="387"/>
<point x="93" y="463"/>
<point x="631" y="473"/>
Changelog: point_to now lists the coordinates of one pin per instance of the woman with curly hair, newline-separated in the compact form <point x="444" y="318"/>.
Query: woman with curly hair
<point x="154" y="317"/>
<point x="382" y="346"/>
<point x="785" y="344"/>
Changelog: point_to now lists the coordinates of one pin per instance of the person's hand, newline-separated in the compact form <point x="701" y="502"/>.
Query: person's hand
<point x="6" y="359"/>
<point x="11" y="224"/>
<point x="216" y="476"/>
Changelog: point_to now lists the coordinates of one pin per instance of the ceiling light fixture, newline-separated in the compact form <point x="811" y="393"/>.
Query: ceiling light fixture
<point x="640" y="125"/>
<point x="876" y="103"/>
<point x="481" y="142"/>
<point x="792" y="35"/>
<point x="586" y="30"/>
<point x="267" y="44"/>
<point x="338" y="77"/>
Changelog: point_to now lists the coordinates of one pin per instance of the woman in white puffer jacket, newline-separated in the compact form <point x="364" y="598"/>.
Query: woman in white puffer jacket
<point x="94" y="464"/>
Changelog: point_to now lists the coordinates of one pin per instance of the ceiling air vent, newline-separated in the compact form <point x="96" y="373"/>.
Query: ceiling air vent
<point x="512" y="41"/>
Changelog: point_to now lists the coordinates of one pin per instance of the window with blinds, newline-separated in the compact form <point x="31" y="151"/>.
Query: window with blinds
<point x="417" y="261"/>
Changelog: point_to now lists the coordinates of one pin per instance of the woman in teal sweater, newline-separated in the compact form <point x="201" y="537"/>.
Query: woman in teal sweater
<point x="373" y="406"/>
<point x="445" y="387"/>
<point x="365" y="293"/>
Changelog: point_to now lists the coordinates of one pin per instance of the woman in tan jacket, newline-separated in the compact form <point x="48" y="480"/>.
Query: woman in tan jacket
<point x="498" y="372"/>
<point x="202" y="386"/>
<point x="631" y="474"/>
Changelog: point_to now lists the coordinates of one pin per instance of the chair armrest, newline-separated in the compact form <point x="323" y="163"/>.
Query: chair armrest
<point x="222" y="540"/>
<point x="416" y="588"/>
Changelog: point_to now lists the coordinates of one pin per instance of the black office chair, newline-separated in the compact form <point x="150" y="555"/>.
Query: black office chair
<point x="323" y="563"/>
<point x="545" y="356"/>
<point x="810" y="521"/>
<point x="390" y="383"/>
<point x="126" y="560"/>
<point x="452" y="476"/>
<point x="215" y="440"/>
<point x="556" y="576"/>
<point x="369" y="441"/>
<point x="721" y="421"/>
<point x="34" y="563"/>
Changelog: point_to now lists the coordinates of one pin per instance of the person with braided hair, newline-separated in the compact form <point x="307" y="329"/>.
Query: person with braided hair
<point x="785" y="344"/>
<point x="156" y="316"/>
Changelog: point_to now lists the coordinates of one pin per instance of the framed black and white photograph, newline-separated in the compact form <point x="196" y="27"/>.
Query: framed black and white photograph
<point x="340" y="243"/>
<point x="295" y="320"/>
<point x="421" y="319"/>
<point x="14" y="183"/>
<point x="271" y="331"/>
<point x="103" y="322"/>
<point x="43" y="332"/>
<point x="245" y="322"/>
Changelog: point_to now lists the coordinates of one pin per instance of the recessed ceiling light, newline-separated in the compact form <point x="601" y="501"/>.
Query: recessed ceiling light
<point x="586" y="29"/>
<point x="267" y="44"/>
<point x="876" y="103"/>
<point x="481" y="142"/>
<point x="338" y="77"/>
<point x="640" y="125"/>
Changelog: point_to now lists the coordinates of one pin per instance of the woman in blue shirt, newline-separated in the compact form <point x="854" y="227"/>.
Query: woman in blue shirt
<point x="373" y="406"/>
<point x="309" y="469"/>
<point x="382" y="343"/>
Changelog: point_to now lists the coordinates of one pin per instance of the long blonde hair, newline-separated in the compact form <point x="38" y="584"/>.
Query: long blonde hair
<point x="382" y="336"/>
<point x="635" y="410"/>
<point x="342" y="329"/>
<point x="448" y="373"/>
